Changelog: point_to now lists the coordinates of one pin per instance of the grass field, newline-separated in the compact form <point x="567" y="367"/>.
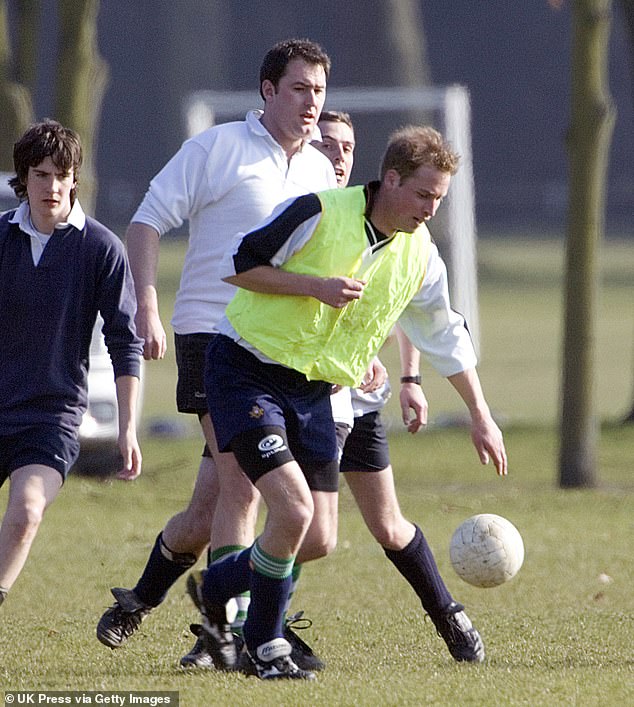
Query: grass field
<point x="560" y="633"/>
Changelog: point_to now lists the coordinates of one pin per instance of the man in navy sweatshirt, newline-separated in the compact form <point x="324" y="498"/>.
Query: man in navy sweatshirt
<point x="59" y="269"/>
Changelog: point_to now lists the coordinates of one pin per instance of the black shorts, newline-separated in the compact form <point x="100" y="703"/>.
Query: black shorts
<point x="263" y="412"/>
<point x="366" y="447"/>
<point x="46" y="444"/>
<point x="190" y="360"/>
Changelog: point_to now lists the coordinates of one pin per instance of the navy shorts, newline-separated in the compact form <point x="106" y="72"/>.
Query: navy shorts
<point x="190" y="360"/>
<point x="366" y="448"/>
<point x="244" y="394"/>
<point x="46" y="444"/>
<point x="190" y="389"/>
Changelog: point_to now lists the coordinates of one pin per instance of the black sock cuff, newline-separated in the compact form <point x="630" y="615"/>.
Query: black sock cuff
<point x="410" y="549"/>
<point x="184" y="559"/>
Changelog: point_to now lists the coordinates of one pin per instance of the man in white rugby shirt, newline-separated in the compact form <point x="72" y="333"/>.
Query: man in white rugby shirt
<point x="223" y="181"/>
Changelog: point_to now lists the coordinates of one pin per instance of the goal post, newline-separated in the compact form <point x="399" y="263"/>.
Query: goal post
<point x="446" y="108"/>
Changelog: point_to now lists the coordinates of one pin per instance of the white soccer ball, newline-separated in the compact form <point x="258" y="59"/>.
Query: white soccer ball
<point x="486" y="550"/>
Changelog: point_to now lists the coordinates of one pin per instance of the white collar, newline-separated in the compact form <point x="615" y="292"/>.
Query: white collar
<point x="22" y="217"/>
<point x="254" y="121"/>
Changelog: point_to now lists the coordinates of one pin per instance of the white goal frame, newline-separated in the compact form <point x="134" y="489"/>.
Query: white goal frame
<point x="451" y="107"/>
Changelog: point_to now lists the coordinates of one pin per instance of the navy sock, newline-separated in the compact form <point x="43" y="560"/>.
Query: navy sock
<point x="416" y="563"/>
<point x="227" y="577"/>
<point x="162" y="570"/>
<point x="271" y="580"/>
<point x="266" y="611"/>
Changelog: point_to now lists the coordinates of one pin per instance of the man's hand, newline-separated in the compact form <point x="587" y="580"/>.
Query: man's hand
<point x="413" y="399"/>
<point x="338" y="291"/>
<point x="132" y="459"/>
<point x="485" y="434"/>
<point x="488" y="441"/>
<point x="374" y="377"/>
<point x="150" y="328"/>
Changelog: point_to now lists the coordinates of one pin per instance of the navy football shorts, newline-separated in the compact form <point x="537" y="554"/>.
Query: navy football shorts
<point x="268" y="414"/>
<point x="190" y="388"/>
<point x="45" y="444"/>
<point x="190" y="360"/>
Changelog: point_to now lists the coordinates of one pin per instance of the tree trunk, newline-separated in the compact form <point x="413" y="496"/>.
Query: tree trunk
<point x="15" y="99"/>
<point x="82" y="78"/>
<point x="29" y="18"/>
<point x="589" y="138"/>
<point x="627" y="7"/>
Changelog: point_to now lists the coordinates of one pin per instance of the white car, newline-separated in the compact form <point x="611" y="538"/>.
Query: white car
<point x="99" y="452"/>
<point x="99" y="429"/>
<point x="7" y="196"/>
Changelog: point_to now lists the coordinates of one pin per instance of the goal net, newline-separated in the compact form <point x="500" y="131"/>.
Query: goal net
<point x="376" y="112"/>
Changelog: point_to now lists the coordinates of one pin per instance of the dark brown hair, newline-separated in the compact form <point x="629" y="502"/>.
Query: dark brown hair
<point x="336" y="116"/>
<point x="47" y="138"/>
<point x="278" y="57"/>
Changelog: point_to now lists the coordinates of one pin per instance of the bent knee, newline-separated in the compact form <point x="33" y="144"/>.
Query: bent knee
<point x="241" y="505"/>
<point x="317" y="545"/>
<point x="298" y="517"/>
<point x="385" y="537"/>
<point x="323" y="548"/>
<point x="245" y="495"/>
<point x="26" y="520"/>
<point x="392" y="536"/>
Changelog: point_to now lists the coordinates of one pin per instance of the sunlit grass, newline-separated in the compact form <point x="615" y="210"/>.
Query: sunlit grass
<point x="560" y="633"/>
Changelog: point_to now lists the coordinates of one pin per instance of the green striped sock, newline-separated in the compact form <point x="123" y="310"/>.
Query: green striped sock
<point x="270" y="566"/>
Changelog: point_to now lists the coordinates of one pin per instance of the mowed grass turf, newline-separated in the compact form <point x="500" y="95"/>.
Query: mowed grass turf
<point x="560" y="633"/>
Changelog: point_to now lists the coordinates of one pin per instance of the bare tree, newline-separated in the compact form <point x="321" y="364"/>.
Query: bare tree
<point x="627" y="7"/>
<point x="83" y="76"/>
<point x="588" y="143"/>
<point x="15" y="98"/>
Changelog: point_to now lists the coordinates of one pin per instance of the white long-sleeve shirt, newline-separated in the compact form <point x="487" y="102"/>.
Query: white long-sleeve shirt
<point x="224" y="181"/>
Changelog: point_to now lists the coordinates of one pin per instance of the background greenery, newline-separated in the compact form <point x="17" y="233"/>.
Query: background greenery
<point x="560" y="633"/>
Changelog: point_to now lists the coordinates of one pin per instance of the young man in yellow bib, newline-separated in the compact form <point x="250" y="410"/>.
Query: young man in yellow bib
<point x="321" y="284"/>
<point x="365" y="454"/>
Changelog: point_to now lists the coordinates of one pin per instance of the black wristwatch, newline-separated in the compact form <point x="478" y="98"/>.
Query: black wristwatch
<point x="411" y="379"/>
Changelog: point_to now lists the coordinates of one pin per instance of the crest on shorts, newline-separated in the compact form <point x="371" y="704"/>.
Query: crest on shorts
<point x="256" y="412"/>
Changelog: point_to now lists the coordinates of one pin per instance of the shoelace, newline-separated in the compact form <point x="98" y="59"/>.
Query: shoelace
<point x="298" y="621"/>
<point x="454" y="629"/>
<point x="129" y="621"/>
